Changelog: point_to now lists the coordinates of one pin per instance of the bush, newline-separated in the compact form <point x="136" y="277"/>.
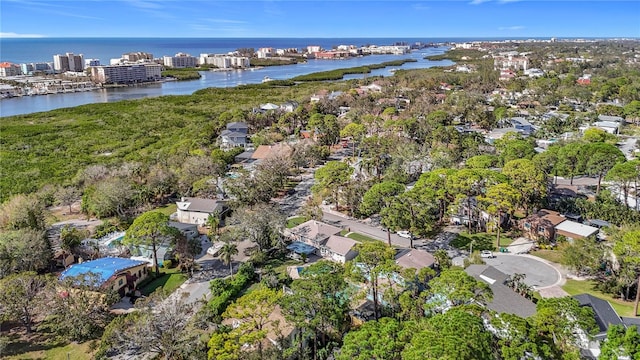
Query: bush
<point x="168" y="264"/>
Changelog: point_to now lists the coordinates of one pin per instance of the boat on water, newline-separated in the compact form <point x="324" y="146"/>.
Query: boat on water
<point x="266" y="79"/>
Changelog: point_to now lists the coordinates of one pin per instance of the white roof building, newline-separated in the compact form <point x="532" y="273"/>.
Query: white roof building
<point x="575" y="230"/>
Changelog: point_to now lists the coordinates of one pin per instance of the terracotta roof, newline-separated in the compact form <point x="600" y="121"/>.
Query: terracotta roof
<point x="267" y="151"/>
<point x="553" y="217"/>
<point x="6" y="65"/>
<point x="340" y="245"/>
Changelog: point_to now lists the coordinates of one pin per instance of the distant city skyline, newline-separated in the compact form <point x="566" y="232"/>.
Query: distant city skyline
<point x="310" y="18"/>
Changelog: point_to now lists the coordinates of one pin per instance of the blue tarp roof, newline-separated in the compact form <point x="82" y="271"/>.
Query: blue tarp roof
<point x="301" y="248"/>
<point x="105" y="267"/>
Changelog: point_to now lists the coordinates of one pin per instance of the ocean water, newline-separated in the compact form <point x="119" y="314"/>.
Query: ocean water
<point x="42" y="49"/>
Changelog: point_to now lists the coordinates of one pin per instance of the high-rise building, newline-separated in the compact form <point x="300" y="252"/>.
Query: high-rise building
<point x="9" y="69"/>
<point x="68" y="62"/>
<point x="126" y="74"/>
<point x="181" y="60"/>
<point x="137" y="56"/>
<point x="225" y="61"/>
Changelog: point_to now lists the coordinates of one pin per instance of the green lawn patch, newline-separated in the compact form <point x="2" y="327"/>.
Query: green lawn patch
<point x="575" y="287"/>
<point x="169" y="280"/>
<point x="482" y="241"/>
<point x="295" y="221"/>
<point x="168" y="209"/>
<point x="360" y="237"/>
<point x="48" y="350"/>
<point x="549" y="255"/>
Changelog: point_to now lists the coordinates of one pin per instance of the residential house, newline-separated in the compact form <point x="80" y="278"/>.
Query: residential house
<point x="339" y="249"/>
<point x="605" y="316"/>
<point x="541" y="226"/>
<point x="575" y="230"/>
<point x="269" y="107"/>
<point x="289" y="106"/>
<point x="120" y="274"/>
<point x="522" y="125"/>
<point x="617" y="119"/>
<point x="271" y="151"/>
<point x="612" y="127"/>
<point x="313" y="232"/>
<point x="197" y="210"/>
<point x="414" y="259"/>
<point x="235" y="135"/>
<point x="322" y="239"/>
<point x="505" y="299"/>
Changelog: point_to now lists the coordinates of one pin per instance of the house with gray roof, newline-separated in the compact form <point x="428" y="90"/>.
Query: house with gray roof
<point x="197" y="210"/>
<point x="325" y="239"/>
<point x="235" y="135"/>
<point x="505" y="300"/>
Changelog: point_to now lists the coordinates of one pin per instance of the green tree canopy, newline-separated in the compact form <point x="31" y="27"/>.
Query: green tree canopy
<point x="149" y="229"/>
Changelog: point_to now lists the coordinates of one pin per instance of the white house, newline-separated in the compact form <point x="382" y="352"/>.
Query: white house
<point x="197" y="210"/>
<point x="339" y="249"/>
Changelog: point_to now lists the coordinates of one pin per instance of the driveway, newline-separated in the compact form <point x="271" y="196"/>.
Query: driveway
<point x="539" y="275"/>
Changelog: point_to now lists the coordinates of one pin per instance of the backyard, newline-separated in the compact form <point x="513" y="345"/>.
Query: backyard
<point x="575" y="287"/>
<point x="481" y="241"/>
<point x="169" y="280"/>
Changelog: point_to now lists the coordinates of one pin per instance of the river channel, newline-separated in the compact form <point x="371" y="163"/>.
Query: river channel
<point x="221" y="79"/>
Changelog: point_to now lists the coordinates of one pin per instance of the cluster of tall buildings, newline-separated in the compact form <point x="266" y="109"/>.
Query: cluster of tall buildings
<point x="68" y="62"/>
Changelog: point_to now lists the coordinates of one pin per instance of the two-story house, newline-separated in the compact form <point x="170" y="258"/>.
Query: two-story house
<point x="235" y="135"/>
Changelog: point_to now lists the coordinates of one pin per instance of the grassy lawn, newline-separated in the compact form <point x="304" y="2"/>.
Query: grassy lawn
<point x="483" y="241"/>
<point x="360" y="237"/>
<point x="169" y="281"/>
<point x="295" y="221"/>
<point x="48" y="349"/>
<point x="549" y="255"/>
<point x="168" y="209"/>
<point x="575" y="287"/>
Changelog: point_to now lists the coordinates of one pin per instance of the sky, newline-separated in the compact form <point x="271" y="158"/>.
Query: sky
<point x="326" y="19"/>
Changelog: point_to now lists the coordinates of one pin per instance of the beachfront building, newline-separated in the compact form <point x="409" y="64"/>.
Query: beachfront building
<point x="137" y="56"/>
<point x="180" y="60"/>
<point x="223" y="61"/>
<point x="126" y="74"/>
<point x="9" y="69"/>
<point x="68" y="62"/>
<point x="31" y="68"/>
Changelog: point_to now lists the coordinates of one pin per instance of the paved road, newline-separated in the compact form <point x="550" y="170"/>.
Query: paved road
<point x="538" y="273"/>
<point x="364" y="229"/>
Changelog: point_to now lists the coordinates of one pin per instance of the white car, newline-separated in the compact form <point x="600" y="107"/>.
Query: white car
<point x="405" y="234"/>
<point x="215" y="249"/>
<point x="487" y="254"/>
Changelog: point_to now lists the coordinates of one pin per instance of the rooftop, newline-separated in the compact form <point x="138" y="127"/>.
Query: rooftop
<point x="199" y="205"/>
<point x="414" y="259"/>
<point x="313" y="229"/>
<point x="105" y="267"/>
<point x="605" y="315"/>
<point x="576" y="228"/>
<point x="505" y="300"/>
<point x="340" y="244"/>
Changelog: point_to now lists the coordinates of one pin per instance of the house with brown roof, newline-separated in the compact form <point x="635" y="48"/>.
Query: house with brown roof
<point x="271" y="151"/>
<point x="541" y="226"/>
<point x="414" y="259"/>
<point x="313" y="232"/>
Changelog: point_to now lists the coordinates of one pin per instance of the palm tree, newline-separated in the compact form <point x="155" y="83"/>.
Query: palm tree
<point x="227" y="252"/>
<point x="213" y="222"/>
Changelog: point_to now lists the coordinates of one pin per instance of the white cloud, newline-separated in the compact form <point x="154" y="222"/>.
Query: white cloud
<point x="16" y="35"/>
<point x="512" y="28"/>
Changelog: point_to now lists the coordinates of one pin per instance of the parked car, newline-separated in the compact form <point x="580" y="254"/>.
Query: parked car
<point x="215" y="249"/>
<point x="487" y="254"/>
<point x="405" y="234"/>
